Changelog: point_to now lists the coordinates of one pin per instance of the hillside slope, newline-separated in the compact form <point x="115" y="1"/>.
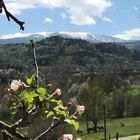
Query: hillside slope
<point x="59" y="57"/>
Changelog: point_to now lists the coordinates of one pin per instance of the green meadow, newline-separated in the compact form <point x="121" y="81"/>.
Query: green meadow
<point x="125" y="127"/>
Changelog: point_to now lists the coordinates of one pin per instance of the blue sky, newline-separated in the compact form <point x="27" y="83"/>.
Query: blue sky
<point x="120" y="18"/>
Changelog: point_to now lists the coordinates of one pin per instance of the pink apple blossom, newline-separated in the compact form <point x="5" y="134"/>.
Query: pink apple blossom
<point x="80" y="109"/>
<point x="15" y="85"/>
<point x="78" y="138"/>
<point x="66" y="137"/>
<point x="57" y="92"/>
<point x="21" y="85"/>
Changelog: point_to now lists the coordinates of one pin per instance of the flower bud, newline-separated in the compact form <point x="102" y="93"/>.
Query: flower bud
<point x="69" y="105"/>
<point x="21" y="85"/>
<point x="49" y="85"/>
<point x="57" y="92"/>
<point x="66" y="137"/>
<point x="78" y="138"/>
<point x="61" y="108"/>
<point x="80" y="109"/>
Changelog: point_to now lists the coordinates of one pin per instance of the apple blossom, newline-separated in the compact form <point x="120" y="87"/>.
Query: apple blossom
<point x="66" y="137"/>
<point x="57" y="92"/>
<point x="78" y="138"/>
<point x="15" y="85"/>
<point x="80" y="109"/>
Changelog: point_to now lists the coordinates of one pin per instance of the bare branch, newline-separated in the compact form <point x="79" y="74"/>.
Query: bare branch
<point x="9" y="15"/>
<point x="12" y="131"/>
<point x="35" y="62"/>
<point x="36" y="66"/>
<point x="39" y="137"/>
<point x="14" y="126"/>
<point x="6" y="135"/>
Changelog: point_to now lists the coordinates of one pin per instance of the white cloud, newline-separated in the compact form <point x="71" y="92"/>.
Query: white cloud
<point x="63" y="15"/>
<point x="16" y="8"/>
<point x="133" y="34"/>
<point x="107" y="19"/>
<point x="48" y="20"/>
<point x="81" y="12"/>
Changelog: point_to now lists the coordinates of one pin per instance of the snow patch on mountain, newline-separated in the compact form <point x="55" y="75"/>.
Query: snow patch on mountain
<point x="23" y="37"/>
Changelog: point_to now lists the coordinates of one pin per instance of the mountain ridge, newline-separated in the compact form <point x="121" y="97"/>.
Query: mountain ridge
<point x="91" y="37"/>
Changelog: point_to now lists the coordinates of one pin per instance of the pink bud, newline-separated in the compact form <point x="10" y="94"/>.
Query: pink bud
<point x="69" y="105"/>
<point x="80" y="109"/>
<point x="49" y="85"/>
<point x="78" y="138"/>
<point x="21" y="85"/>
<point x="57" y="92"/>
<point x="15" y="85"/>
<point x="66" y="137"/>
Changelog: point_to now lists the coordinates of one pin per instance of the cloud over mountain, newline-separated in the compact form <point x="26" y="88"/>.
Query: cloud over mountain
<point x="81" y="12"/>
<point x="133" y="34"/>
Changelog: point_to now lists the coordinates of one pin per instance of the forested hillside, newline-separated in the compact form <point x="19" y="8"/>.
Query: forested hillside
<point x="65" y="58"/>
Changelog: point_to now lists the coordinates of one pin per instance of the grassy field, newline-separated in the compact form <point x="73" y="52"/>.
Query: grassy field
<point x="125" y="127"/>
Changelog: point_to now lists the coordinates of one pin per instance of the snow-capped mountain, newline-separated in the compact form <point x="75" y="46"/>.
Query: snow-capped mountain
<point x="23" y="38"/>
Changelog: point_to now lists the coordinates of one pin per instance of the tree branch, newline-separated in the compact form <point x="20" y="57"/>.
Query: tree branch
<point x="35" y="62"/>
<point x="9" y="15"/>
<point x="36" y="66"/>
<point x="12" y="132"/>
<point x="6" y="135"/>
<point x="39" y="137"/>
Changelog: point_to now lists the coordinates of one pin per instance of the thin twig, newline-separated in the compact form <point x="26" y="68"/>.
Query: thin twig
<point x="6" y="135"/>
<point x="36" y="65"/>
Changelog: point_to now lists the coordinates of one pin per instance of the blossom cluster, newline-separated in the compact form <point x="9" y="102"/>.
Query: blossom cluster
<point x="18" y="85"/>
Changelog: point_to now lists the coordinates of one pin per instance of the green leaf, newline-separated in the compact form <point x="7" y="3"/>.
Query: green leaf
<point x="41" y="90"/>
<point x="50" y="114"/>
<point x="31" y="80"/>
<point x="53" y="101"/>
<point x="74" y="123"/>
<point x="60" y="113"/>
<point x="59" y="102"/>
<point x="28" y="105"/>
<point x="41" y="93"/>
<point x="29" y="96"/>
<point x="13" y="112"/>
